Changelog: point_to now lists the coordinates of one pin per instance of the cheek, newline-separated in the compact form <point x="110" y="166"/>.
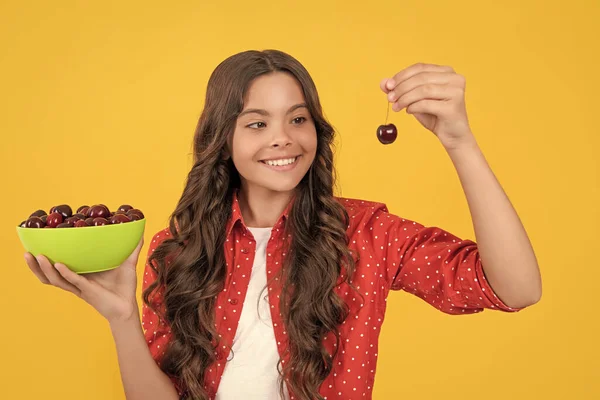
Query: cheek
<point x="240" y="148"/>
<point x="242" y="157"/>
<point x="241" y="160"/>
<point x="309" y="143"/>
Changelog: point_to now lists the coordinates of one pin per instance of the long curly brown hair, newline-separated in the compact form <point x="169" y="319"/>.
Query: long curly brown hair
<point x="318" y="249"/>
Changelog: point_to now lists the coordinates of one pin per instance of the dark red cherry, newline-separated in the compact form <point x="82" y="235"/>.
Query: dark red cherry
<point x="135" y="211"/>
<point x="135" y="216"/>
<point x="89" y="221"/>
<point x="54" y="219"/>
<point x="38" y="213"/>
<point x="64" y="225"/>
<point x="72" y="220"/>
<point x="99" y="210"/>
<point x="83" y="210"/>
<point x="387" y="133"/>
<point x="119" y="219"/>
<point x="98" y="221"/>
<point x="80" y="223"/>
<point x="65" y="210"/>
<point x="125" y="207"/>
<point x="34" y="222"/>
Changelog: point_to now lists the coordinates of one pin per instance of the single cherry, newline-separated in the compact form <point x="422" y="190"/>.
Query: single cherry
<point x="387" y="133"/>
<point x="64" y="225"/>
<point x="98" y="221"/>
<point x="89" y="221"/>
<point x="34" y="222"/>
<point x="54" y="219"/>
<point x="125" y="207"/>
<point x="135" y="211"/>
<point x="99" y="210"/>
<point x="65" y="210"/>
<point x="80" y="223"/>
<point x="83" y="210"/>
<point x="38" y="213"/>
<point x="119" y="219"/>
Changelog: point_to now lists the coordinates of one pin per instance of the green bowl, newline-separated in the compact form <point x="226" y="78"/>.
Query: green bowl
<point x="86" y="249"/>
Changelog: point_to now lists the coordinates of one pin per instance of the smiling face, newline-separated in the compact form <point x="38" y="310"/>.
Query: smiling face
<point x="275" y="140"/>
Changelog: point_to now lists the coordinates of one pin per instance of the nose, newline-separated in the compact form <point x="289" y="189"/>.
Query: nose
<point x="281" y="138"/>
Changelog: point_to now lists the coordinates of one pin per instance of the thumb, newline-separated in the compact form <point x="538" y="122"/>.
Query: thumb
<point x="131" y="261"/>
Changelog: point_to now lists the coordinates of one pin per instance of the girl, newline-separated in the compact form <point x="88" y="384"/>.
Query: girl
<point x="265" y="285"/>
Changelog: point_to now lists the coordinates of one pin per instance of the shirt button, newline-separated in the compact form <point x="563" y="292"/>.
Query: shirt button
<point x="233" y="301"/>
<point x="244" y="250"/>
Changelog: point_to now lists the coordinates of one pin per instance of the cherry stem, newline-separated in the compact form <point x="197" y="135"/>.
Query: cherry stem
<point x="388" y="113"/>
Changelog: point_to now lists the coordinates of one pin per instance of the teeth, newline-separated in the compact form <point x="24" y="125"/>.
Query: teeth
<point x="285" y="161"/>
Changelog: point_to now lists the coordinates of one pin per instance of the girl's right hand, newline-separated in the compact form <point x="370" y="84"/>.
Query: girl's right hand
<point x="111" y="293"/>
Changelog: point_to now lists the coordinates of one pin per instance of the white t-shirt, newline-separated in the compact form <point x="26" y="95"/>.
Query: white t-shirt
<point x="251" y="374"/>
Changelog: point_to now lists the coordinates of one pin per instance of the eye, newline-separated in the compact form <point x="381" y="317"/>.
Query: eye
<point x="250" y="126"/>
<point x="302" y="118"/>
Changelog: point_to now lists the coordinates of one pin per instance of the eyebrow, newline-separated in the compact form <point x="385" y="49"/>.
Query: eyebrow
<point x="266" y="113"/>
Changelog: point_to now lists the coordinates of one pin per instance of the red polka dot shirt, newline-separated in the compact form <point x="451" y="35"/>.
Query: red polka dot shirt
<point x="394" y="254"/>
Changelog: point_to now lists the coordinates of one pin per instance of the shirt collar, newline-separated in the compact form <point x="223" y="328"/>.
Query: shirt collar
<point x="236" y="214"/>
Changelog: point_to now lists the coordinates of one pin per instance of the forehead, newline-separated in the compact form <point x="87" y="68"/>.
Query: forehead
<point x="274" y="90"/>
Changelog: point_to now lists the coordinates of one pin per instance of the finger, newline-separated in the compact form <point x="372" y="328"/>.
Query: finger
<point x="80" y="282"/>
<point x="427" y="106"/>
<point x="35" y="268"/>
<point x="431" y="92"/>
<point x="54" y="277"/>
<point x="413" y="70"/>
<point x="382" y="85"/>
<point x="419" y="79"/>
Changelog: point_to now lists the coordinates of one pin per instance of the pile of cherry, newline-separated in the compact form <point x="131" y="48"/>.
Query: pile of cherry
<point x="62" y="217"/>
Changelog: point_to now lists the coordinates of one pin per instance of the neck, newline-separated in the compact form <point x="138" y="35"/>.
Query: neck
<point x="261" y="208"/>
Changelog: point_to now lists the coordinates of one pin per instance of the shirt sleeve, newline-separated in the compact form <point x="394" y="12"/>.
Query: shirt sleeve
<point x="157" y="333"/>
<point x="434" y="265"/>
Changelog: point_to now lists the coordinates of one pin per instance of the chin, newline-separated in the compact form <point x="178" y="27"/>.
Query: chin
<point x="281" y="187"/>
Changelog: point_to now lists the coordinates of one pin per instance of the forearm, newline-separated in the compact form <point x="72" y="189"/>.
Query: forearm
<point x="506" y="253"/>
<point x="142" y="378"/>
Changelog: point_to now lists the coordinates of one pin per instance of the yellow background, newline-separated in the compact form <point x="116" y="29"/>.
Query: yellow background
<point x="100" y="100"/>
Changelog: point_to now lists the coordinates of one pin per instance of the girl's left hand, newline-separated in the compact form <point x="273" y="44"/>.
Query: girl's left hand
<point x="435" y="95"/>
